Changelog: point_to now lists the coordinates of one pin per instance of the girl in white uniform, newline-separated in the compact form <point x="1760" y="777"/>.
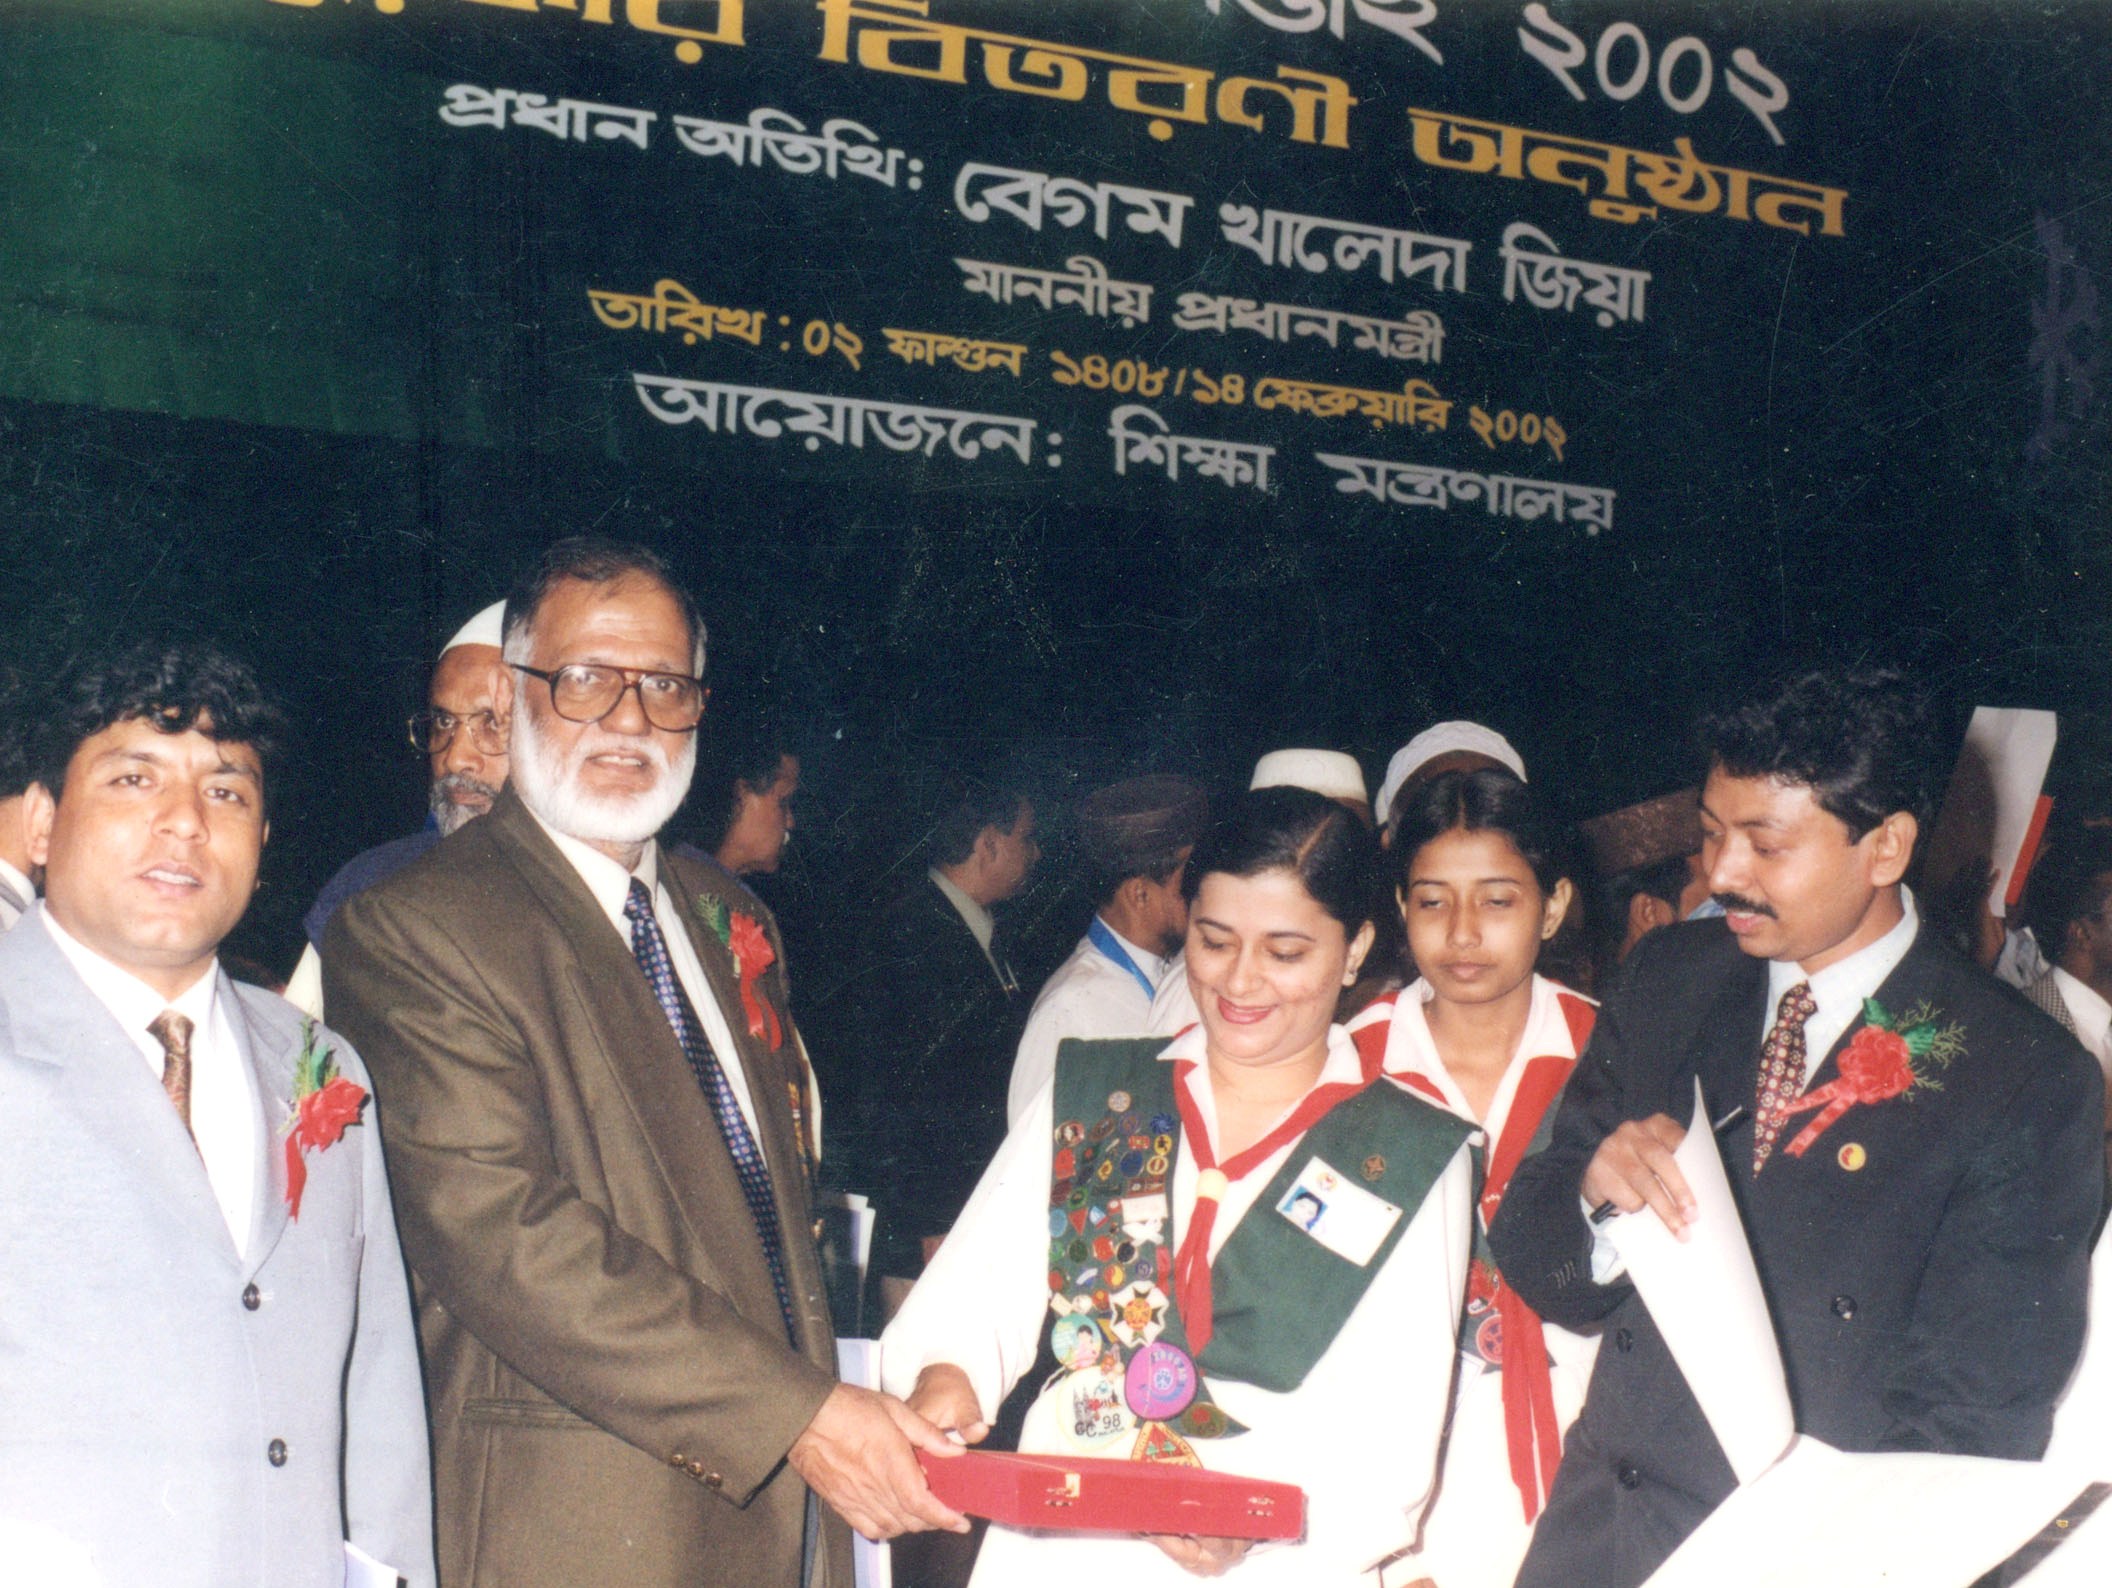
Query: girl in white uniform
<point x="1155" y="1207"/>
<point x="1480" y="1034"/>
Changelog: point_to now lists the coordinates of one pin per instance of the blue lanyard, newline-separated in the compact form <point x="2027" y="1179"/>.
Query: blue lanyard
<point x="1102" y="937"/>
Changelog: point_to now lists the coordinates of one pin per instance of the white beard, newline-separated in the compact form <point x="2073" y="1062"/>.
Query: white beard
<point x="548" y="784"/>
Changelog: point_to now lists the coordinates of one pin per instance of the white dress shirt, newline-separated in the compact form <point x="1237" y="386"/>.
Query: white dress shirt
<point x="1839" y="989"/>
<point x="980" y="922"/>
<point x="611" y="886"/>
<point x="1089" y="996"/>
<point x="227" y="1118"/>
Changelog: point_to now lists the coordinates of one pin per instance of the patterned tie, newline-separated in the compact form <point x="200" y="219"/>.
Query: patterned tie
<point x="1781" y="1069"/>
<point x="651" y="950"/>
<point x="173" y="1032"/>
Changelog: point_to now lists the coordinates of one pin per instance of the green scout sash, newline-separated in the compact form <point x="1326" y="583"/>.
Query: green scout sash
<point x="1280" y="1295"/>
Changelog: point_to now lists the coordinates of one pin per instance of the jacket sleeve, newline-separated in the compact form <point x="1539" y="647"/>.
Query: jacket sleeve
<point x="551" y="1284"/>
<point x="1540" y="1237"/>
<point x="2009" y="1269"/>
<point x="388" y="1464"/>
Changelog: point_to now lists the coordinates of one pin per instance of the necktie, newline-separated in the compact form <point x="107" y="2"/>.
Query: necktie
<point x="173" y="1032"/>
<point x="651" y="949"/>
<point x="1781" y="1069"/>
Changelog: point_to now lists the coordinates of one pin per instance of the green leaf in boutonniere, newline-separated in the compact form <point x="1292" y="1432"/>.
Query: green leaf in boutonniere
<point x="714" y="914"/>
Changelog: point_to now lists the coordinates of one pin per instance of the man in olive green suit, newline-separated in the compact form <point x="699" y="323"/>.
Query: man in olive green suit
<point x="580" y="1043"/>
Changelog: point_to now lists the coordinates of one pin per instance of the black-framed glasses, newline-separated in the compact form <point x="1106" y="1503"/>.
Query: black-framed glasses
<point x="433" y="731"/>
<point x="588" y="692"/>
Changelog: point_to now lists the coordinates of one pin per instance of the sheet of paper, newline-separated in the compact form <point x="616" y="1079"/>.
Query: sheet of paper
<point x="364" y="1571"/>
<point x="1993" y="796"/>
<point x="1704" y="1295"/>
<point x="1879" y="1521"/>
<point x="858" y="1362"/>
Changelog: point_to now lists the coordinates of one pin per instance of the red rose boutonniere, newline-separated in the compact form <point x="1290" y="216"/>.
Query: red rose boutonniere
<point x="324" y="1103"/>
<point x="752" y="955"/>
<point x="1886" y="1059"/>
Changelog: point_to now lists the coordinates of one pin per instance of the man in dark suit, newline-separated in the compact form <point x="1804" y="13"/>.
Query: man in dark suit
<point x="946" y="1013"/>
<point x="1917" y="1165"/>
<point x="582" y="1045"/>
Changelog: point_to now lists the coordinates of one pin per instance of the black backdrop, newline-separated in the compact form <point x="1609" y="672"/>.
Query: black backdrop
<point x="287" y="354"/>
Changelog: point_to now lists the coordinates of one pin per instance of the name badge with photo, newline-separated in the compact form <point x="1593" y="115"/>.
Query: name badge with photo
<point x="1348" y="1220"/>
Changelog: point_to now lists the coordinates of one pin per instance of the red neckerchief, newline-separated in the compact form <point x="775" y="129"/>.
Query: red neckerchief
<point x="1191" y="1261"/>
<point x="1532" y="1431"/>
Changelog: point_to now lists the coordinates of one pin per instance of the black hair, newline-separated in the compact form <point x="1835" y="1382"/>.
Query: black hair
<point x="974" y="806"/>
<point x="1332" y="853"/>
<point x="1488" y="799"/>
<point x="1104" y="882"/>
<point x="176" y="686"/>
<point x="592" y="560"/>
<point x="2065" y="886"/>
<point x="1862" y="739"/>
<point x="744" y="748"/>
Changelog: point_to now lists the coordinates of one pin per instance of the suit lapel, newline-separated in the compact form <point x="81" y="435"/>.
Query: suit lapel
<point x="640" y="1050"/>
<point x="271" y="1070"/>
<point x="58" y="1021"/>
<point x="1727" y="1057"/>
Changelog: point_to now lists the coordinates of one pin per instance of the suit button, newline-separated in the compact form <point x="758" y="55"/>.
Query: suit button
<point x="1623" y="1341"/>
<point x="713" y="1481"/>
<point x="678" y="1460"/>
<point x="1626" y="1475"/>
<point x="1844" y="1307"/>
<point x="275" y="1452"/>
<point x="252" y="1298"/>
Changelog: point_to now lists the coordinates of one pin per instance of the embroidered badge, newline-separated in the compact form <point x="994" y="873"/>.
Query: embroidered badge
<point x="324" y="1104"/>
<point x="1887" y="1058"/>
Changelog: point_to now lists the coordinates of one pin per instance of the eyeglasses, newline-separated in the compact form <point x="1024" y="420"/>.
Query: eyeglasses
<point x="434" y="731"/>
<point x="588" y="692"/>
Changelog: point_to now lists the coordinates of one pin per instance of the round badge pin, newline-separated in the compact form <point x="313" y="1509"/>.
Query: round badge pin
<point x="1076" y="1341"/>
<point x="1852" y="1157"/>
<point x="1160" y="1381"/>
<point x="1117" y="1102"/>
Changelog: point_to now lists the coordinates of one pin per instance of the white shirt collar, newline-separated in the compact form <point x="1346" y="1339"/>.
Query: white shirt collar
<point x="1152" y="965"/>
<point x="605" y="878"/>
<point x="1839" y="989"/>
<point x="131" y="1002"/>
<point x="18" y="883"/>
<point x="2088" y="1009"/>
<point x="980" y="921"/>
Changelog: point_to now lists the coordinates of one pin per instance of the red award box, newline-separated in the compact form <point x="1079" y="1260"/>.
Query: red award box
<point x="1088" y="1494"/>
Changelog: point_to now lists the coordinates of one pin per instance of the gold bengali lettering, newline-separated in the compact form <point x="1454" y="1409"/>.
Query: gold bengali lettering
<point x="1601" y="172"/>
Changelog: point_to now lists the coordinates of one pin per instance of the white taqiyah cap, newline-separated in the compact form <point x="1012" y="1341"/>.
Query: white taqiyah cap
<point x="486" y="628"/>
<point x="1328" y="772"/>
<point x="1447" y="738"/>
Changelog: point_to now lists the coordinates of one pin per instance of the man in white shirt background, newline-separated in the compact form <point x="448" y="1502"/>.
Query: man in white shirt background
<point x="208" y="1376"/>
<point x="1134" y="838"/>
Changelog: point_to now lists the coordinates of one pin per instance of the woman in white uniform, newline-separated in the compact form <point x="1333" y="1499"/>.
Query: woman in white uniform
<point x="1482" y="1034"/>
<point x="1245" y="1254"/>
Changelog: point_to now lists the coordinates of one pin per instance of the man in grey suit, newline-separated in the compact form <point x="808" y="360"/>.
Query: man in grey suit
<point x="208" y="1376"/>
